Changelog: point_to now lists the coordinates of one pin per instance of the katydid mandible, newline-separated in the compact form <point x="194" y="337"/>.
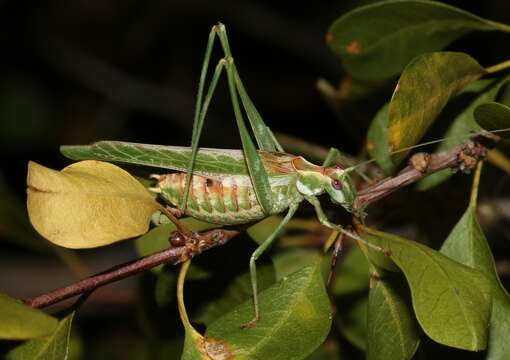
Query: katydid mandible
<point x="230" y="187"/>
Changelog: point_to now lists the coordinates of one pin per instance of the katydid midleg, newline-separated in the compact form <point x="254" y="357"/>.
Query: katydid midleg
<point x="230" y="187"/>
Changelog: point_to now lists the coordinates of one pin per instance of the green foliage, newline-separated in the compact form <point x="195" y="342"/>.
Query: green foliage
<point x="493" y="116"/>
<point x="426" y="85"/>
<point x="377" y="41"/>
<point x="441" y="287"/>
<point x="300" y="299"/>
<point x="20" y="322"/>
<point x="52" y="347"/>
<point x="423" y="90"/>
<point x="393" y="332"/>
<point x="377" y="140"/>
<point x="238" y="291"/>
<point x="467" y="244"/>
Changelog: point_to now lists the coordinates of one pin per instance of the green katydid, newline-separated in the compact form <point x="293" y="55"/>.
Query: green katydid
<point x="230" y="187"/>
<point x="233" y="186"/>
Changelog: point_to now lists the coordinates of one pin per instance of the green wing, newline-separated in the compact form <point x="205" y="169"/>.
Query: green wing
<point x="210" y="162"/>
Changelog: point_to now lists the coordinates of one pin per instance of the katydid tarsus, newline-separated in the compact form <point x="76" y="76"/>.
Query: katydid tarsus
<point x="230" y="187"/>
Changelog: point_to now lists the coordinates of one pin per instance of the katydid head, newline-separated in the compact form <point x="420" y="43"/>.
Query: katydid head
<point x="339" y="186"/>
<point x="334" y="181"/>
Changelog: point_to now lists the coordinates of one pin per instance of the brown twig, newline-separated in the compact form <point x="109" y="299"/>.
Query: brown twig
<point x="460" y="158"/>
<point x="173" y="255"/>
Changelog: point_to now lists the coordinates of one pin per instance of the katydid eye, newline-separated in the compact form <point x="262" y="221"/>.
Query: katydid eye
<point x="337" y="184"/>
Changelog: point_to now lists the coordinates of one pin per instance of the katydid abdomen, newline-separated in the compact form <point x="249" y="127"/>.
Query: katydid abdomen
<point x="226" y="200"/>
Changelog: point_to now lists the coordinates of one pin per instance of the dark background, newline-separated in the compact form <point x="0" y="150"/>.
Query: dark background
<point x="72" y="72"/>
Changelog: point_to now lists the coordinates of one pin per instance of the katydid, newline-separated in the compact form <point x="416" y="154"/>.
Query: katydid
<point x="230" y="187"/>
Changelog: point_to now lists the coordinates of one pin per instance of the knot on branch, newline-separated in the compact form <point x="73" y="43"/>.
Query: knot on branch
<point x="420" y="161"/>
<point x="196" y="243"/>
<point x="473" y="151"/>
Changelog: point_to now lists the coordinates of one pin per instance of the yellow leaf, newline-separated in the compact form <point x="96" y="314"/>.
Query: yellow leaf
<point x="87" y="204"/>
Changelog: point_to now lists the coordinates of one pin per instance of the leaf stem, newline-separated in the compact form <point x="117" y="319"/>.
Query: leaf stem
<point x="498" y="67"/>
<point x="180" y="293"/>
<point x="476" y="182"/>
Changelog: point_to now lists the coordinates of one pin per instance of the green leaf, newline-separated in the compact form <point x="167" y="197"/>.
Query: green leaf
<point x="52" y="347"/>
<point x="424" y="88"/>
<point x="377" y="140"/>
<point x="493" y="116"/>
<point x="237" y="292"/>
<point x="463" y="125"/>
<point x="352" y="275"/>
<point x="393" y="332"/>
<point x="21" y="322"/>
<point x="193" y="342"/>
<point x="468" y="245"/>
<point x="295" y="319"/>
<point x="293" y="259"/>
<point x="377" y="41"/>
<point x="451" y="301"/>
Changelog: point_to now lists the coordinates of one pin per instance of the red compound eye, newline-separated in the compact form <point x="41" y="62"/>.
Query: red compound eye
<point x="337" y="184"/>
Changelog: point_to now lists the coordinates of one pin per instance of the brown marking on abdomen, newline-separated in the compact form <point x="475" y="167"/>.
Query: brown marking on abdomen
<point x="234" y="194"/>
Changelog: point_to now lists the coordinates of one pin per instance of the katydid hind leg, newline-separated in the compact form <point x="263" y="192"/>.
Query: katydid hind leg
<point x="200" y="111"/>
<point x="258" y="174"/>
<point x="256" y="169"/>
<point x="262" y="134"/>
<point x="256" y="254"/>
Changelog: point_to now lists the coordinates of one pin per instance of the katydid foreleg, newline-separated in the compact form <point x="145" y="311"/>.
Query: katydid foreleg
<point x="338" y="237"/>
<point x="337" y="250"/>
<point x="324" y="221"/>
<point x="253" y="268"/>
